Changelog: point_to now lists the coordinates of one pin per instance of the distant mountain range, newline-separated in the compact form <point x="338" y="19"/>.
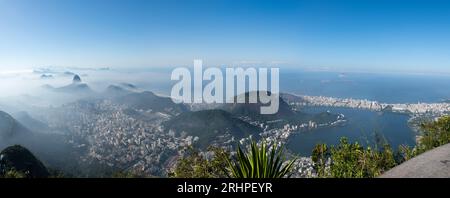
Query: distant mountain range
<point x="121" y="89"/>
<point x="124" y="94"/>
<point x="76" y="87"/>
<point x="10" y="128"/>
<point x="149" y="101"/>
<point x="30" y="123"/>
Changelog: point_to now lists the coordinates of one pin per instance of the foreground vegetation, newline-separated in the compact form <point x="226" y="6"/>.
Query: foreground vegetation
<point x="260" y="161"/>
<point x="195" y="165"/>
<point x="352" y="160"/>
<point x="435" y="134"/>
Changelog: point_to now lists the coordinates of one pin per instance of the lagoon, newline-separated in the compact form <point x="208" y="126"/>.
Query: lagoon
<point x="362" y="126"/>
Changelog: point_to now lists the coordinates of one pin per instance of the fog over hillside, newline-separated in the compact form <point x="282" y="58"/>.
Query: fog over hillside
<point x="37" y="108"/>
<point x="94" y="122"/>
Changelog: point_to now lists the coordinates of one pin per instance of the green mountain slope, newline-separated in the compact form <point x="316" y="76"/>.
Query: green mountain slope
<point x="210" y="125"/>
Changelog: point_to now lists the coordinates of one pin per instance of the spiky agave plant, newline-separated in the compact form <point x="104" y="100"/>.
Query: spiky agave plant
<point x="260" y="163"/>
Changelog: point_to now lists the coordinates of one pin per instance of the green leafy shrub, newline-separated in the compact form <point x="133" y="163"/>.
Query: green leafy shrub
<point x="125" y="174"/>
<point x="14" y="174"/>
<point x="320" y="156"/>
<point x="352" y="160"/>
<point x="260" y="162"/>
<point x="435" y="134"/>
<point x="194" y="165"/>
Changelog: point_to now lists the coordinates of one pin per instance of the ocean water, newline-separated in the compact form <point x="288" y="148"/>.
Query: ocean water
<point x="362" y="126"/>
<point x="388" y="88"/>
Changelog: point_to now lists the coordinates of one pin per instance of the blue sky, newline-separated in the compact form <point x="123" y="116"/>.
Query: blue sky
<point x="345" y="35"/>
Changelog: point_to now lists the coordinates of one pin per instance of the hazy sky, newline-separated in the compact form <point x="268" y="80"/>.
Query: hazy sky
<point x="355" y="35"/>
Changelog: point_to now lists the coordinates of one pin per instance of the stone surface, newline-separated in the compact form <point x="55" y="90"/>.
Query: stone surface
<point x="431" y="164"/>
